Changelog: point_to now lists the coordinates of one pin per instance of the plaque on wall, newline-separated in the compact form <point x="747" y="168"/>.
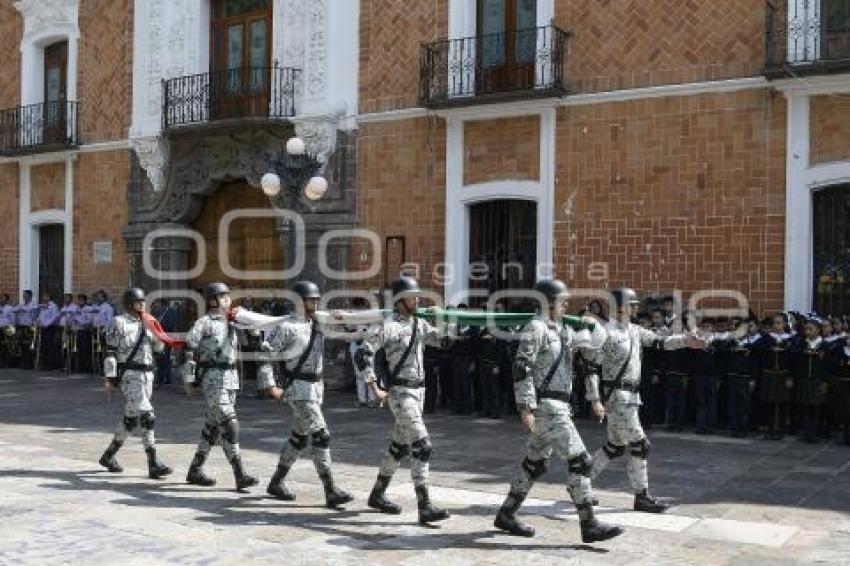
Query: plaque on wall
<point x="102" y="252"/>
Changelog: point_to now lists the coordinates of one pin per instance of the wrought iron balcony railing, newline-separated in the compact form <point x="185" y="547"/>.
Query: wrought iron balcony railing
<point x="518" y="64"/>
<point x="804" y="37"/>
<point x="39" y="127"/>
<point x="244" y="92"/>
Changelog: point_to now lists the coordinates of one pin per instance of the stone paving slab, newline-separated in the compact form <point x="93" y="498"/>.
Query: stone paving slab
<point x="743" y="502"/>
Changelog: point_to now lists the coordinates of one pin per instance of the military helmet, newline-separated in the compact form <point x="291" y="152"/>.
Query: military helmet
<point x="133" y="295"/>
<point x="213" y="290"/>
<point x="551" y="288"/>
<point x="625" y="296"/>
<point x="307" y="290"/>
<point x="405" y="287"/>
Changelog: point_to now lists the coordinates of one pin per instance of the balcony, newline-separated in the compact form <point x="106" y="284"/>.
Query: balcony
<point x="38" y="128"/>
<point x="806" y="37"/>
<point x="521" y="64"/>
<point x="235" y="94"/>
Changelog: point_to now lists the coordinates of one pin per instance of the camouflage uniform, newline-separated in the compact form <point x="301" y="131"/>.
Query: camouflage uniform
<point x="137" y="383"/>
<point x="539" y="349"/>
<point x="622" y="405"/>
<point x="214" y="342"/>
<point x="304" y="392"/>
<point x="135" y="377"/>
<point x="406" y="396"/>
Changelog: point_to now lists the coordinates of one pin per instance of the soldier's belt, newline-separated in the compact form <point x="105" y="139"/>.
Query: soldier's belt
<point x="408" y="384"/>
<point x="216" y="365"/>
<point x="308" y="377"/>
<point x="133" y="366"/>
<point x="555" y="395"/>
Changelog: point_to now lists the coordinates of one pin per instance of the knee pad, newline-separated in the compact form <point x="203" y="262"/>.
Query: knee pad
<point x="147" y="420"/>
<point x="581" y="464"/>
<point x="321" y="439"/>
<point x="398" y="451"/>
<point x="211" y="434"/>
<point x="612" y="450"/>
<point x="298" y="441"/>
<point x="230" y="430"/>
<point x="421" y="449"/>
<point x="640" y="448"/>
<point x="534" y="468"/>
<point x="130" y="423"/>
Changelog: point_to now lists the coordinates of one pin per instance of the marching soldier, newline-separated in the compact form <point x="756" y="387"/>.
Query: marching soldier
<point x="129" y="364"/>
<point x="27" y="312"/>
<point x="300" y="343"/>
<point x="213" y="340"/>
<point x="618" y="364"/>
<point x="542" y="386"/>
<point x="403" y="338"/>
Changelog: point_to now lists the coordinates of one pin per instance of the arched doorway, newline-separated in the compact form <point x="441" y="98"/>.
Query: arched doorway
<point x="254" y="244"/>
<point x="831" y="229"/>
<point x="502" y="237"/>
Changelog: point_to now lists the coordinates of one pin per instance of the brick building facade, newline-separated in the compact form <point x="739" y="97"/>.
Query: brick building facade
<point x="667" y="145"/>
<point x="652" y="138"/>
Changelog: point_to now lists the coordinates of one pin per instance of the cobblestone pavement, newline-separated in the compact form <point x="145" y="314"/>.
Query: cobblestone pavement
<point x="736" y="501"/>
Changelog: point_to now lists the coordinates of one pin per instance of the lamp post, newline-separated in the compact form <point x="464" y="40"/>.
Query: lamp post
<point x="295" y="169"/>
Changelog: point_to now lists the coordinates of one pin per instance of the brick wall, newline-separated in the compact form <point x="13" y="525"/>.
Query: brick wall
<point x="9" y="190"/>
<point x="677" y="193"/>
<point x="401" y="182"/>
<point x="619" y="44"/>
<point x="11" y="29"/>
<point x="829" y="128"/>
<point x="390" y="34"/>
<point x="508" y="148"/>
<point x="105" y="69"/>
<point x="100" y="213"/>
<point x="47" y="186"/>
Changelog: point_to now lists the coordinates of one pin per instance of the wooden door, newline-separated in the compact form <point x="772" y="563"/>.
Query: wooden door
<point x="240" y="79"/>
<point x="55" y="114"/>
<point x="507" y="43"/>
<point x="51" y="260"/>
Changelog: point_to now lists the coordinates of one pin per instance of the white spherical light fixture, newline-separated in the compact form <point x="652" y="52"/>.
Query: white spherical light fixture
<point x="270" y="183"/>
<point x="295" y="146"/>
<point x="316" y="188"/>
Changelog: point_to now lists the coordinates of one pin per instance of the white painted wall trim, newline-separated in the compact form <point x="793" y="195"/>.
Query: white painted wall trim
<point x="826" y="84"/>
<point x="55" y="156"/>
<point x="29" y="222"/>
<point x="486" y="111"/>
<point x="459" y="197"/>
<point x="798" y="208"/>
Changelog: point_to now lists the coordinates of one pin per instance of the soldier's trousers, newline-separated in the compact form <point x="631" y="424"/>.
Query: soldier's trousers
<point x="554" y="431"/>
<point x="409" y="435"/>
<point x="137" y="388"/>
<point x="221" y="423"/>
<point x="308" y="426"/>
<point x="625" y="436"/>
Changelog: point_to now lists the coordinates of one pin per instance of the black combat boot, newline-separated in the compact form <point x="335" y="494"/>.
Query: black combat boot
<point x="108" y="460"/>
<point x="277" y="488"/>
<point x="156" y="469"/>
<point x="593" y="530"/>
<point x="378" y="499"/>
<point x="243" y="480"/>
<point x="196" y="475"/>
<point x="648" y="504"/>
<point x="506" y="519"/>
<point x="428" y="512"/>
<point x="334" y="497"/>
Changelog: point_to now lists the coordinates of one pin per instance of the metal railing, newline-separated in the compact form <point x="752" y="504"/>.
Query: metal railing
<point x="38" y="127"/>
<point x="244" y="92"/>
<point x="516" y="64"/>
<point x="806" y="36"/>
